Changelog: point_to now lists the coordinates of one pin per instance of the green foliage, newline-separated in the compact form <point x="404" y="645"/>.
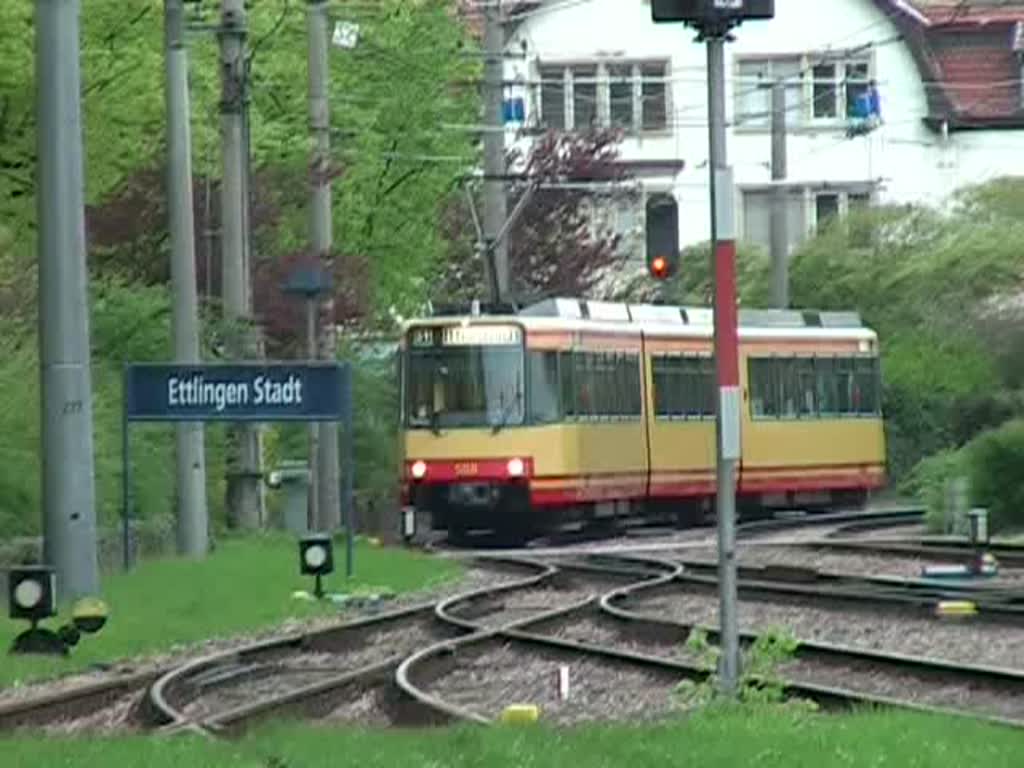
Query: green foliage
<point x="129" y="323"/>
<point x="928" y="481"/>
<point x="760" y="682"/>
<point x="925" y="281"/>
<point x="376" y="423"/>
<point x="392" y="99"/>
<point x="692" y="283"/>
<point x="995" y="464"/>
<point x="886" y="738"/>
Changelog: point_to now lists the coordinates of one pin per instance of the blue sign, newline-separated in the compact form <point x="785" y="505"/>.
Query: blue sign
<point x="243" y="392"/>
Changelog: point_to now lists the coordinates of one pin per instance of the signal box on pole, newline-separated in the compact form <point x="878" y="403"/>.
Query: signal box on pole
<point x="700" y="13"/>
<point x="662" y="228"/>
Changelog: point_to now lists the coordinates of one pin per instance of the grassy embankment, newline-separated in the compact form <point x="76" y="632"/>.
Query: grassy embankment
<point x="245" y="585"/>
<point x="712" y="739"/>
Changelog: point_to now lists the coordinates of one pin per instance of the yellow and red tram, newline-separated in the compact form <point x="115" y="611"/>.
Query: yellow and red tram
<point x="576" y="409"/>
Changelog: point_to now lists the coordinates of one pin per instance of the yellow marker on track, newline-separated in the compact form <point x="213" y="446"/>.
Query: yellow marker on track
<point x="520" y="713"/>
<point x="956" y="608"/>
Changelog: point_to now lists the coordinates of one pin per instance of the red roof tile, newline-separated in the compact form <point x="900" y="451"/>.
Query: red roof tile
<point x="943" y="12"/>
<point x="981" y="76"/>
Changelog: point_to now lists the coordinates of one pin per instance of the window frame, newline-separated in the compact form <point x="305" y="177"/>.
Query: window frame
<point x="805" y="119"/>
<point x="827" y="372"/>
<point x="603" y="77"/>
<point x="691" y="377"/>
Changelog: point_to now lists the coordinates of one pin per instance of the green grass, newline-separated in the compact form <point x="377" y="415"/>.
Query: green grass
<point x="766" y="738"/>
<point x="245" y="584"/>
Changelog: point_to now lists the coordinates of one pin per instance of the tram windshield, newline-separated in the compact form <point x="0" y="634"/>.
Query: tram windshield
<point x="450" y="383"/>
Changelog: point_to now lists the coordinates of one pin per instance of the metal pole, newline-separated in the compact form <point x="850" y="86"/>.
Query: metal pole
<point x="189" y="450"/>
<point x="495" y="204"/>
<point x="313" y="513"/>
<point x="727" y="423"/>
<point x="327" y="487"/>
<point x="67" y="473"/>
<point x="779" y="240"/>
<point x="243" y="480"/>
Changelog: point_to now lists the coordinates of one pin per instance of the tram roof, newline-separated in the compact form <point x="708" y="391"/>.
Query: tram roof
<point x="601" y="316"/>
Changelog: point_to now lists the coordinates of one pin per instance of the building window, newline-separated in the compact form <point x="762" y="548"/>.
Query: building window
<point x="807" y="208"/>
<point x="552" y="97"/>
<point x="757" y="218"/>
<point x="817" y="90"/>
<point x="620" y="96"/>
<point x="825" y="91"/>
<point x="584" y="97"/>
<point x="826" y="205"/>
<point x="754" y="91"/>
<point x="857" y="79"/>
<point x="652" y="87"/>
<point x="632" y="96"/>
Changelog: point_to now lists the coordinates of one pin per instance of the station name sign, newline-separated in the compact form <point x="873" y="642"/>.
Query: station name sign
<point x="244" y="392"/>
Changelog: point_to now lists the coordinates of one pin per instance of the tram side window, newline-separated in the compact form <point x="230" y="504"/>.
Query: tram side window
<point x="819" y="387"/>
<point x="764" y="396"/>
<point x="683" y="387"/>
<point x="828" y="386"/>
<point x="599" y="385"/>
<point x="806" y="387"/>
<point x="630" y="378"/>
<point x="567" y="375"/>
<point x="866" y="385"/>
<point x="544" y="388"/>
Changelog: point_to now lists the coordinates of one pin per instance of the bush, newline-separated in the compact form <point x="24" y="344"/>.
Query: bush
<point x="928" y="481"/>
<point x="976" y="413"/>
<point x="995" y="465"/>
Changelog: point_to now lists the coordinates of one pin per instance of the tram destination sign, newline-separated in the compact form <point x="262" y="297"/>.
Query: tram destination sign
<point x="244" y="392"/>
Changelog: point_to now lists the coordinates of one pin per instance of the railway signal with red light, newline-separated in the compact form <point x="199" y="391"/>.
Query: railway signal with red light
<point x="662" y="227"/>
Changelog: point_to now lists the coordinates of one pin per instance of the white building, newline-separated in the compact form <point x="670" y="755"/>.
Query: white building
<point x="949" y="78"/>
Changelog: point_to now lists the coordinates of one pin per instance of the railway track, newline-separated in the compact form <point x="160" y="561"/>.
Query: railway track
<point x="894" y="679"/>
<point x="466" y="657"/>
<point x="661" y="539"/>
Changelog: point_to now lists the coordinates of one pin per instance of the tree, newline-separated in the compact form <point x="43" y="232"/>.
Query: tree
<point x="283" y="315"/>
<point x="395" y="106"/>
<point x="561" y="243"/>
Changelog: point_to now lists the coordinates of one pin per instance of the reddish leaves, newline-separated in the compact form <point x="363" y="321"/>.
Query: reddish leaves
<point x="555" y="247"/>
<point x="283" y="314"/>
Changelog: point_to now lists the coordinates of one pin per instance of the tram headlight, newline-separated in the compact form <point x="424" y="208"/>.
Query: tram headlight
<point x="418" y="470"/>
<point x="516" y="467"/>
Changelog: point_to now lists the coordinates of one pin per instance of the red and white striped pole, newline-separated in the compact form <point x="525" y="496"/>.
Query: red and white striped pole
<point x="727" y="419"/>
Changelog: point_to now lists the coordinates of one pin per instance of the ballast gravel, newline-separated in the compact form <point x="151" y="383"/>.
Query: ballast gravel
<point x="848" y="563"/>
<point x="881" y="627"/>
<point x="487" y="680"/>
